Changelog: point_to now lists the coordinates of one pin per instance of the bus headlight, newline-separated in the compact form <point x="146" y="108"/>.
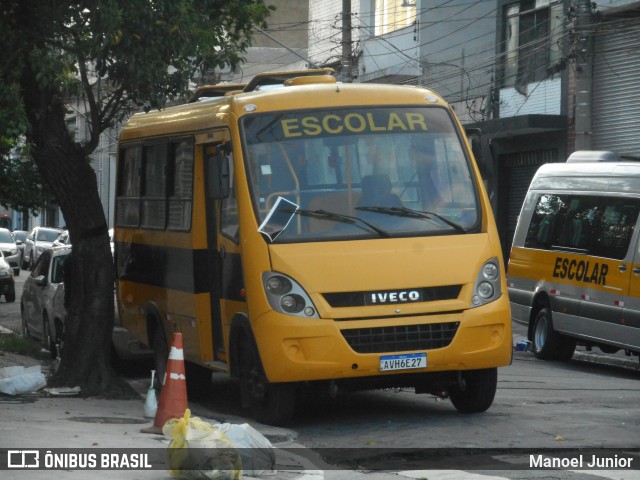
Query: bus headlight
<point x="285" y="295"/>
<point x="278" y="285"/>
<point x="292" y="303"/>
<point x="485" y="290"/>
<point x="487" y="287"/>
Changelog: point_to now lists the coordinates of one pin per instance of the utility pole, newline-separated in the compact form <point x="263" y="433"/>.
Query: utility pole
<point x="346" y="42"/>
<point x="584" y="69"/>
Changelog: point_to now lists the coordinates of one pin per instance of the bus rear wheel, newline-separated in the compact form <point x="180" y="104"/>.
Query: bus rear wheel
<point x="270" y="403"/>
<point x="476" y="392"/>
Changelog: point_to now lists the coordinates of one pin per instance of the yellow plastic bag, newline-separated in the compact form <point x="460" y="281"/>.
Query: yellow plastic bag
<point x="199" y="450"/>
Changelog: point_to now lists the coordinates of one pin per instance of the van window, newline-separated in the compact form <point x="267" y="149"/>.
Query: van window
<point x="600" y="226"/>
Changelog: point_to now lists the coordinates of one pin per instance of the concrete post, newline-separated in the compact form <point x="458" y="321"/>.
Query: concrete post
<point x="584" y="68"/>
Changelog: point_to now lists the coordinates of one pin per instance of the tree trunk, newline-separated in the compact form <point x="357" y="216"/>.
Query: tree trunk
<point x="90" y="310"/>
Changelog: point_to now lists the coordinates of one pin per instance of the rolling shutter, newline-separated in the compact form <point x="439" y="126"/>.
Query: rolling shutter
<point x="616" y="87"/>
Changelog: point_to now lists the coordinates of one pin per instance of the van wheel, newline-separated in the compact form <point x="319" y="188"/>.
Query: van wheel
<point x="160" y="357"/>
<point x="566" y="347"/>
<point x="10" y="297"/>
<point x="545" y="339"/>
<point x="478" y="391"/>
<point x="270" y="403"/>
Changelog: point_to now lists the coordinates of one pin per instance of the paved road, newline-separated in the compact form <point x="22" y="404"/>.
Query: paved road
<point x="10" y="312"/>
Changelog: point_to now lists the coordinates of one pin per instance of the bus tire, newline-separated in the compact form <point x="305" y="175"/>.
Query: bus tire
<point x="545" y="341"/>
<point x="160" y="356"/>
<point x="270" y="403"/>
<point x="478" y="391"/>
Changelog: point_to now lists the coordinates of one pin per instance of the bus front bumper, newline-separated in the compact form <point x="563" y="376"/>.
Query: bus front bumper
<point x="301" y="349"/>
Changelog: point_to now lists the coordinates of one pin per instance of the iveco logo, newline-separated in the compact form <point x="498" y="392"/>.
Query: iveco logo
<point x="377" y="298"/>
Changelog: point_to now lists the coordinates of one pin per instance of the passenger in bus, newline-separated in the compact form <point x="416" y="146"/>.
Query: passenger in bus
<point x="422" y="152"/>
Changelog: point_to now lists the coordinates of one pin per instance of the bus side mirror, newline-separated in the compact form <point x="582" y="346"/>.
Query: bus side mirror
<point x="219" y="176"/>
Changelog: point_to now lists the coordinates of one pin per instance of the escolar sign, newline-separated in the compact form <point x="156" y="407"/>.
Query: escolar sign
<point x="334" y="124"/>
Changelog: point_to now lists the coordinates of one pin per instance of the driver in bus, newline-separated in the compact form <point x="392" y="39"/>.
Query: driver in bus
<point x="422" y="153"/>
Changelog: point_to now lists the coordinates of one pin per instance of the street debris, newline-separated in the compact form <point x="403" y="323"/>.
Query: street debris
<point x="523" y="346"/>
<point x="151" y="402"/>
<point x="63" y="391"/>
<point x="16" y="380"/>
<point x="225" y="451"/>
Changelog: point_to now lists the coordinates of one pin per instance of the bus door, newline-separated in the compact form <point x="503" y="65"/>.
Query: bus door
<point x="224" y="261"/>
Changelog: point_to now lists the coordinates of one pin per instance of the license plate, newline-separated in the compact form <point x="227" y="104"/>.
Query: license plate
<point x="403" y="362"/>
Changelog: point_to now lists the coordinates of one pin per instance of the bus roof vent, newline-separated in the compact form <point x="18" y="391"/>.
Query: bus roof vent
<point x="267" y="79"/>
<point x="311" y="79"/>
<point x="207" y="92"/>
<point x="593" y="156"/>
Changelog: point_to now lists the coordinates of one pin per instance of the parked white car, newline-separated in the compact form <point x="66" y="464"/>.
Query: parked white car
<point x="37" y="242"/>
<point x="10" y="250"/>
<point x="42" y="305"/>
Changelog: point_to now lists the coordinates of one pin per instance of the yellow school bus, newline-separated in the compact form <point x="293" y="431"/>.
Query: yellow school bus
<point x="306" y="232"/>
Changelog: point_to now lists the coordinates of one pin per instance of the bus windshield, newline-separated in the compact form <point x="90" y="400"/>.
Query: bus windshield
<point x="361" y="172"/>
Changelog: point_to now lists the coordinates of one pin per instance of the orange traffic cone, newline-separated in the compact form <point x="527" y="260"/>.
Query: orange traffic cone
<point x="173" y="398"/>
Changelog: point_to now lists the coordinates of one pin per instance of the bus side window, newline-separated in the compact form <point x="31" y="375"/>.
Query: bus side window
<point x="180" y="186"/>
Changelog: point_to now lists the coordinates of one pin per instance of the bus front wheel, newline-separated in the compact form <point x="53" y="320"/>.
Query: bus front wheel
<point x="270" y="403"/>
<point x="476" y="391"/>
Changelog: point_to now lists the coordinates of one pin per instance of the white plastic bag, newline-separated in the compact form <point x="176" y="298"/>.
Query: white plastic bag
<point x="256" y="451"/>
<point x="200" y="450"/>
<point x="18" y="379"/>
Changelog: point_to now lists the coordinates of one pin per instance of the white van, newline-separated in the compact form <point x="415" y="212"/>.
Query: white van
<point x="574" y="268"/>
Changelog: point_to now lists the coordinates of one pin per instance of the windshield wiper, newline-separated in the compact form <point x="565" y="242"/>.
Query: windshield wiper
<point x="408" y="212"/>
<point x="338" y="217"/>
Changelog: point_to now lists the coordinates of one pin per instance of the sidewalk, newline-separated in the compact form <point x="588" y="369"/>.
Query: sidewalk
<point x="43" y="421"/>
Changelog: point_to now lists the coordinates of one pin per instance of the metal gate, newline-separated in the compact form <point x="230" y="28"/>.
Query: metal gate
<point x="616" y="87"/>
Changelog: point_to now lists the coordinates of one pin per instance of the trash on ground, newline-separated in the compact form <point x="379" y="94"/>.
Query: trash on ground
<point x="63" y="391"/>
<point x="17" y="379"/>
<point x="256" y="451"/>
<point x="151" y="402"/>
<point x="523" y="346"/>
<point x="200" y="450"/>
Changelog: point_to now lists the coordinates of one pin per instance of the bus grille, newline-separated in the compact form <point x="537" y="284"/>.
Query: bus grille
<point x="401" y="338"/>
<point x="358" y="299"/>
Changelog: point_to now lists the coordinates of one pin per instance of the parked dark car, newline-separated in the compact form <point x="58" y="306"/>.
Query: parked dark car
<point x="37" y="242"/>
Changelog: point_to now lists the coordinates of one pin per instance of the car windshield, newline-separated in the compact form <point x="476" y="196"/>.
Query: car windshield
<point x="20" y="235"/>
<point x="47" y="235"/>
<point x="5" y="237"/>
<point x="356" y="173"/>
